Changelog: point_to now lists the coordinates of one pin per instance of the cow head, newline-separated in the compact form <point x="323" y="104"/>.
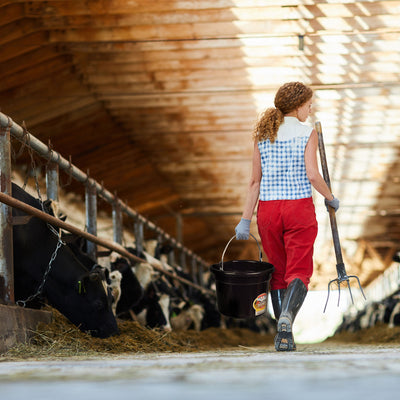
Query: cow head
<point x="131" y="289"/>
<point x="94" y="312"/>
<point x="72" y="287"/>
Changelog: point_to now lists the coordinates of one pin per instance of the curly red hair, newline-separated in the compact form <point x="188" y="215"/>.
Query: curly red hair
<point x="288" y="98"/>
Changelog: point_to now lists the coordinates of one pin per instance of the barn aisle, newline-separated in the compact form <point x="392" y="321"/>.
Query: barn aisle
<point x="328" y="371"/>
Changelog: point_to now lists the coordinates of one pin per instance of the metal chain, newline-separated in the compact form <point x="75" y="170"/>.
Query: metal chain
<point x="33" y="167"/>
<point x="39" y="291"/>
<point x="51" y="228"/>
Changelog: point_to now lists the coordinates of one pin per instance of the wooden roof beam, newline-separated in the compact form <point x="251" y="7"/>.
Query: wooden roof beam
<point x="235" y="61"/>
<point x="255" y="76"/>
<point x="11" y="12"/>
<point x="28" y="60"/>
<point x="17" y="30"/>
<point x="264" y="40"/>
<point x="381" y="262"/>
<point x="44" y="69"/>
<point x="217" y="29"/>
<point x="234" y="81"/>
<point x="23" y="45"/>
<point x="181" y="4"/>
<point x="358" y="94"/>
<point x="345" y="56"/>
<point x="62" y="84"/>
<point x="54" y="109"/>
<point x="201" y="9"/>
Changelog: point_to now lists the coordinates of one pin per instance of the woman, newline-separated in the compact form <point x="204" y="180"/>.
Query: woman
<point x="285" y="167"/>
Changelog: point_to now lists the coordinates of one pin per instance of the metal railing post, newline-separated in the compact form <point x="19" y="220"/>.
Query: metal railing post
<point x="139" y="236"/>
<point x="171" y="257"/>
<point x="179" y="226"/>
<point x="6" y="232"/>
<point x="119" y="207"/>
<point x="179" y="236"/>
<point x="194" y="270"/>
<point x="200" y="275"/>
<point x="117" y="222"/>
<point x="183" y="259"/>
<point x="52" y="181"/>
<point x="91" y="217"/>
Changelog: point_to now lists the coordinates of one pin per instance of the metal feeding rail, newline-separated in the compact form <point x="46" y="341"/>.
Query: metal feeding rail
<point x="93" y="189"/>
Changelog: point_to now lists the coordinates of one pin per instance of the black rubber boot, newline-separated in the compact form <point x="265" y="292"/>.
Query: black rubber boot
<point x="294" y="297"/>
<point x="277" y="298"/>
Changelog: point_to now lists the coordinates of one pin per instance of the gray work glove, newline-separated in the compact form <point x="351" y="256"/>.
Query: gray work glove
<point x="243" y="229"/>
<point x="334" y="203"/>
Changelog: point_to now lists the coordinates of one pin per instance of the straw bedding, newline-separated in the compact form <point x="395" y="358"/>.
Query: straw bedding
<point x="378" y="334"/>
<point x="61" y="339"/>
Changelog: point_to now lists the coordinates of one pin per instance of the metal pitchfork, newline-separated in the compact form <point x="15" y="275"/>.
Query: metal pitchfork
<point x="340" y="268"/>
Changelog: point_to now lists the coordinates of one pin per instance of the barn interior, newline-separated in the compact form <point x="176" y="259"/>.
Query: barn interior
<point x="158" y="100"/>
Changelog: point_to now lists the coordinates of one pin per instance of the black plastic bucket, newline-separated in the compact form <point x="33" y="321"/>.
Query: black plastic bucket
<point x="242" y="286"/>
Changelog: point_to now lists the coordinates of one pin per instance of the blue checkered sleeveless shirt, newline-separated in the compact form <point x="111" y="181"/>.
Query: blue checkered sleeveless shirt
<point x="283" y="167"/>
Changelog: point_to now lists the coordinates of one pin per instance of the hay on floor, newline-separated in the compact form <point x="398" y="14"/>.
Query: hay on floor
<point x="63" y="339"/>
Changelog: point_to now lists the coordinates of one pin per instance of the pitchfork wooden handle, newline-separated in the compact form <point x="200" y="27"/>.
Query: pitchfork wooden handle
<point x="322" y="154"/>
<point x="332" y="213"/>
<point x="340" y="268"/>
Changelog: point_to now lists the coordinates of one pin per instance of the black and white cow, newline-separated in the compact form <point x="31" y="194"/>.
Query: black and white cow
<point x="394" y="319"/>
<point x="153" y="308"/>
<point x="131" y="290"/>
<point x="188" y="307"/>
<point x="78" y="293"/>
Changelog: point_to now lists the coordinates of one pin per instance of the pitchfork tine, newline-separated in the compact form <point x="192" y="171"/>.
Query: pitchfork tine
<point x="339" y="280"/>
<point x="338" y="299"/>
<point x="351" y="294"/>
<point x="359" y="284"/>
<point x="329" y="290"/>
<point x="340" y="268"/>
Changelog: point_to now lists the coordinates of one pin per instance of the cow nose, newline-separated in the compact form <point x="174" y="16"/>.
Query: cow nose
<point x="167" y="328"/>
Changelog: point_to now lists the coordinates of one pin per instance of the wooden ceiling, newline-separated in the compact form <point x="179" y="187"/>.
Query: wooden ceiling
<point x="159" y="98"/>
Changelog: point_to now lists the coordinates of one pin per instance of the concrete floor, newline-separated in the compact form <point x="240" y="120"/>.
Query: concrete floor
<point x="313" y="372"/>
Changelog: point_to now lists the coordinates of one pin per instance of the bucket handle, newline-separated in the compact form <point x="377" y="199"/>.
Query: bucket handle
<point x="233" y="237"/>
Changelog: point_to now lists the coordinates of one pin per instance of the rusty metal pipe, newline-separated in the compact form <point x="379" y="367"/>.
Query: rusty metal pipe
<point x="91" y="217"/>
<point x="117" y="222"/>
<point x="42" y="149"/>
<point x="6" y="238"/>
<point x="12" y="202"/>
<point x="52" y="181"/>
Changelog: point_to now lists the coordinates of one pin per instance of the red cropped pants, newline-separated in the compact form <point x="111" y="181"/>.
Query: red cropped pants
<point x="288" y="229"/>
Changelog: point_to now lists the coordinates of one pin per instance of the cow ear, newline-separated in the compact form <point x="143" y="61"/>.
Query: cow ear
<point x="94" y="276"/>
<point x="99" y="272"/>
<point x="94" y="273"/>
<point x="107" y="275"/>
